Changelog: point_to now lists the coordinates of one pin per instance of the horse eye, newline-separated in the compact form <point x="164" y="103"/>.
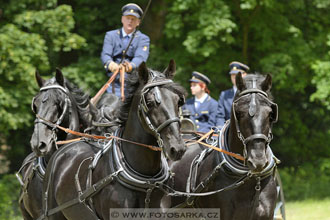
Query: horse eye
<point x="181" y="101"/>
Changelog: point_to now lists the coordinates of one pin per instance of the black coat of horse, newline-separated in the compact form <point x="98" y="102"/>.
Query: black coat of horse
<point x="123" y="173"/>
<point x="61" y="103"/>
<point x="242" y="191"/>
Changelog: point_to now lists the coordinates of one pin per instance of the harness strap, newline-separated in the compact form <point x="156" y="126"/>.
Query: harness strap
<point x="91" y="191"/>
<point x="167" y="122"/>
<point x="256" y="198"/>
<point x="256" y="136"/>
<point x="193" y="196"/>
<point x="98" y="136"/>
<point x="122" y="82"/>
<point x="237" y="156"/>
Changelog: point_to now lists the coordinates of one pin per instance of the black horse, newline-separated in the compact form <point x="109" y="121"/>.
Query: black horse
<point x="60" y="103"/>
<point x="242" y="190"/>
<point x="84" y="183"/>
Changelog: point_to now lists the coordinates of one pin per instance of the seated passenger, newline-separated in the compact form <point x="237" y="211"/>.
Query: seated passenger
<point x="202" y="106"/>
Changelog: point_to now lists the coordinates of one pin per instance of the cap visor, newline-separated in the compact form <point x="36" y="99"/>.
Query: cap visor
<point x="131" y="13"/>
<point x="195" y="80"/>
<point x="235" y="71"/>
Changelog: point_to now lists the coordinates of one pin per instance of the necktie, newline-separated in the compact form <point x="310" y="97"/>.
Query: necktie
<point x="125" y="42"/>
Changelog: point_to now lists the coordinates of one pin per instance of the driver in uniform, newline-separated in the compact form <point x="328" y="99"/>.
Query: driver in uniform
<point x="116" y="41"/>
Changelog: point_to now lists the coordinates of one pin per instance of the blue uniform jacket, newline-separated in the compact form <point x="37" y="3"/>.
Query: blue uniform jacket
<point x="113" y="50"/>
<point x="224" y="106"/>
<point x="204" y="116"/>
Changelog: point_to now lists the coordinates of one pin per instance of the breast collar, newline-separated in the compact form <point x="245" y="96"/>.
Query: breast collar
<point x="129" y="177"/>
<point x="233" y="166"/>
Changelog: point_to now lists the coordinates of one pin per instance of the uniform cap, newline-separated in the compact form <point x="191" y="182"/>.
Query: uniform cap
<point x="199" y="77"/>
<point x="237" y="67"/>
<point x="132" y="9"/>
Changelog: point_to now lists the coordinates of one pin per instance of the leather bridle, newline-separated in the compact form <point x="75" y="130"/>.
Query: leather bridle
<point x="246" y="140"/>
<point x="143" y="110"/>
<point x="67" y="103"/>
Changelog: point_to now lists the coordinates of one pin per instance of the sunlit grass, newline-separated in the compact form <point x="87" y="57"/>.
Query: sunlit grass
<point x="308" y="210"/>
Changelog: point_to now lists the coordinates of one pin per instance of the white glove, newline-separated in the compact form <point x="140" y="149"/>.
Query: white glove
<point x="113" y="67"/>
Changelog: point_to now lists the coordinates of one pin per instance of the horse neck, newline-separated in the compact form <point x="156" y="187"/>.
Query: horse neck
<point x="142" y="159"/>
<point x="74" y="122"/>
<point x="234" y="143"/>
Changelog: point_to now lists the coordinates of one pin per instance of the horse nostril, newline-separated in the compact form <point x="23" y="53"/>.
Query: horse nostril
<point x="172" y="152"/>
<point x="181" y="153"/>
<point x="42" y="147"/>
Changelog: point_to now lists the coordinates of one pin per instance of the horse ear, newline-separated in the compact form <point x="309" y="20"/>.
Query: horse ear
<point x="266" y="85"/>
<point x="59" y="77"/>
<point x="39" y="79"/>
<point x="170" y="70"/>
<point x="240" y="82"/>
<point x="143" y="72"/>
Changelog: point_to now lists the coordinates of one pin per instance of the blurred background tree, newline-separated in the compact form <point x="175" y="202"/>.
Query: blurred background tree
<point x="289" y="39"/>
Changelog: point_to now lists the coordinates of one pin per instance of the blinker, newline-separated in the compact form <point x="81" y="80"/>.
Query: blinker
<point x="157" y="95"/>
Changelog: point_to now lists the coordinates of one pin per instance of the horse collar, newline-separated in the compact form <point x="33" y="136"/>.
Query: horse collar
<point x="131" y="178"/>
<point x="234" y="166"/>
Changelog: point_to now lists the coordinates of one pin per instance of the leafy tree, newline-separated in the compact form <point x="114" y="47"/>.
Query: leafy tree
<point x="31" y="41"/>
<point x="32" y="35"/>
<point x="287" y="39"/>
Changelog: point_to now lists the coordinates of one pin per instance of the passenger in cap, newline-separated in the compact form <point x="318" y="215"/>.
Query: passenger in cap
<point x="202" y="106"/>
<point x="226" y="97"/>
<point x="116" y="41"/>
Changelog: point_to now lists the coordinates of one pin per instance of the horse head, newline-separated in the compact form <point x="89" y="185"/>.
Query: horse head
<point x="53" y="105"/>
<point x="158" y="108"/>
<point x="253" y="113"/>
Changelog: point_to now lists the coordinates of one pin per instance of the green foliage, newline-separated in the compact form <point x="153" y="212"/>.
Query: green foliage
<point x="322" y="81"/>
<point x="32" y="41"/>
<point x="21" y="54"/>
<point x="271" y="37"/>
<point x="307" y="181"/>
<point x="203" y="29"/>
<point x="9" y="191"/>
<point x="88" y="74"/>
<point x="55" y="25"/>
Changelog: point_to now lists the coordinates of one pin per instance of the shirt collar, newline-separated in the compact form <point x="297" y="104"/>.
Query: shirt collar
<point x="202" y="99"/>
<point x="235" y="89"/>
<point x="124" y="33"/>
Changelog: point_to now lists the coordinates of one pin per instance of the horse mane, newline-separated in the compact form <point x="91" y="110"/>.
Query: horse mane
<point x="82" y="101"/>
<point x="81" y="98"/>
<point x="132" y="87"/>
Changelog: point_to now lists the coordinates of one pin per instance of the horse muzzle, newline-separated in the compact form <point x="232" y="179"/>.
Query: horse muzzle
<point x="41" y="146"/>
<point x="257" y="159"/>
